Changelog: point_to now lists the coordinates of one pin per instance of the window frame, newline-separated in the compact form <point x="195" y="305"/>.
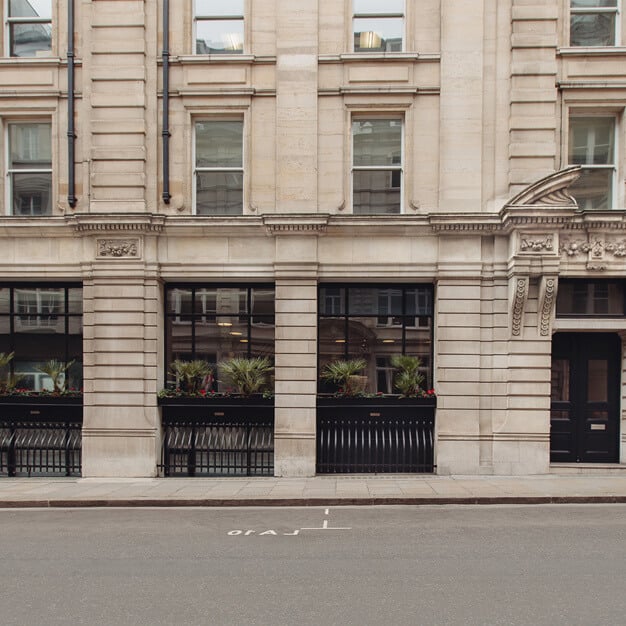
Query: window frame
<point x="612" y="167"/>
<point x="63" y="318"/>
<point x="378" y="15"/>
<point x="343" y="314"/>
<point x="9" y="171"/>
<point x="189" y="320"/>
<point x="9" y="20"/>
<point x="373" y="168"/>
<point x="196" y="17"/>
<point x="197" y="170"/>
<point x="617" y="11"/>
<point x="590" y="284"/>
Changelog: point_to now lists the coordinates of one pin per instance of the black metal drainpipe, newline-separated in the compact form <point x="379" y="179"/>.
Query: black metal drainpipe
<point x="71" y="135"/>
<point x="166" y="102"/>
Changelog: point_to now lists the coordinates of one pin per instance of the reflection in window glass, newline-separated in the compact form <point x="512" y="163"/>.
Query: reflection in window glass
<point x="375" y="323"/>
<point x="219" y="325"/>
<point x="376" y="166"/>
<point x="37" y="326"/>
<point x="219" y="27"/>
<point x="592" y="145"/>
<point x="30" y="28"/>
<point x="592" y="298"/>
<point x="219" y="167"/>
<point x="593" y="22"/>
<point x="378" y="26"/>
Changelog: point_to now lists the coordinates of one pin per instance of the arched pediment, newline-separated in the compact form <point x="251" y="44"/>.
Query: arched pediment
<point x="551" y="191"/>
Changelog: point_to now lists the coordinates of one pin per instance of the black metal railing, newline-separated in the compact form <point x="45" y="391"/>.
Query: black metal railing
<point x="40" y="440"/>
<point x="217" y="439"/>
<point x="374" y="436"/>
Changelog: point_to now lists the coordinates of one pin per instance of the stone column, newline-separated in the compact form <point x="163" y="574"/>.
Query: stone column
<point x="296" y="355"/>
<point x="122" y="343"/>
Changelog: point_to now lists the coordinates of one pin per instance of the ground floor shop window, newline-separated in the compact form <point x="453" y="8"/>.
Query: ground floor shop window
<point x="214" y="323"/>
<point x="39" y="324"/>
<point x="375" y="323"/>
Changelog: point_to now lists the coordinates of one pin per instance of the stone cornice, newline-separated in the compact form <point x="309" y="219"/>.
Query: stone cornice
<point x="296" y="224"/>
<point x="114" y="223"/>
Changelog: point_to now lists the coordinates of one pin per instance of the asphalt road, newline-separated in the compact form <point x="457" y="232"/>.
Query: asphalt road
<point x="359" y="565"/>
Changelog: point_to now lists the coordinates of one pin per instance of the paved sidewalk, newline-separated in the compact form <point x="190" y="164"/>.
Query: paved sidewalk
<point x="318" y="491"/>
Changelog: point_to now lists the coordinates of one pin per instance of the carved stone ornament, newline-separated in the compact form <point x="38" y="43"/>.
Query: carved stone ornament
<point x="118" y="248"/>
<point x="536" y="243"/>
<point x="520" y="293"/>
<point x="548" y="298"/>
<point x="549" y="191"/>
<point x="596" y="249"/>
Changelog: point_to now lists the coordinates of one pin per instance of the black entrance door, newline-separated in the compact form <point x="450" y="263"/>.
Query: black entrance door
<point x="584" y="415"/>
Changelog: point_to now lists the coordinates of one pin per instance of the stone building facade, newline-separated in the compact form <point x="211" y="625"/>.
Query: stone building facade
<point x="469" y="149"/>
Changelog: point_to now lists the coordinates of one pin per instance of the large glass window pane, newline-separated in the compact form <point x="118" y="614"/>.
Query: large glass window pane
<point x="30" y="146"/>
<point x="580" y="297"/>
<point x="219" y="36"/>
<point x="262" y="337"/>
<point x="375" y="193"/>
<point x="31" y="8"/>
<point x="32" y="194"/>
<point x="362" y="7"/>
<point x="332" y="300"/>
<point x="30" y="40"/>
<point x="377" y="142"/>
<point x="219" y="193"/>
<point x="75" y="300"/>
<point x="5" y="300"/>
<point x="591" y="140"/>
<point x="207" y="8"/>
<point x="593" y="22"/>
<point x="219" y="143"/>
<point x="262" y="301"/>
<point x="380" y="34"/>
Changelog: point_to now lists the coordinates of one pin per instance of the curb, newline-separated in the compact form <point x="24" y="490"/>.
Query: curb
<point x="304" y="502"/>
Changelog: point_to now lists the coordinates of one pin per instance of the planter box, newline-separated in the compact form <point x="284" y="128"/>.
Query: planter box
<point x="217" y="436"/>
<point x="42" y="408"/>
<point x="375" y="435"/>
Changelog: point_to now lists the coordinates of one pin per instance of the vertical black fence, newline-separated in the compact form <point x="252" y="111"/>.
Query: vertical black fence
<point x="364" y="435"/>
<point x="226" y="437"/>
<point x="40" y="439"/>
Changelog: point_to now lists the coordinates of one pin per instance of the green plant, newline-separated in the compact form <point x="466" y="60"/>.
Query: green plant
<point x="7" y="382"/>
<point x="56" y="369"/>
<point x="407" y="379"/>
<point x="247" y="376"/>
<point x="347" y="375"/>
<point x="192" y="375"/>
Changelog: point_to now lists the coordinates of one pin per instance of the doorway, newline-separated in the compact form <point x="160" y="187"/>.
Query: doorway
<point x="584" y="410"/>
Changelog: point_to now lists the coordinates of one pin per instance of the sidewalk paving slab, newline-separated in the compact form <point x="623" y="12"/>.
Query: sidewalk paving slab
<point x="316" y="491"/>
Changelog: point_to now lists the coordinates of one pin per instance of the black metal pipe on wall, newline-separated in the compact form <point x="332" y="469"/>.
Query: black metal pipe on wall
<point x="166" y="102"/>
<point x="71" y="133"/>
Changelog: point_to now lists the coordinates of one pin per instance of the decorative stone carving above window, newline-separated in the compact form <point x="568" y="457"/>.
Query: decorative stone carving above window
<point x="118" y="248"/>
<point x="549" y="191"/>
<point x="596" y="248"/>
<point x="536" y="242"/>
<point x="547" y="295"/>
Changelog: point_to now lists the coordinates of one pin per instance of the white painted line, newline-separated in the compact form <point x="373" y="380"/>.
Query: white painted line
<point x="326" y="511"/>
<point x="326" y="528"/>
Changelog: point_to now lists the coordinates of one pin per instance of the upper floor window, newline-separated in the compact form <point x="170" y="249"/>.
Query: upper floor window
<point x="593" y="22"/>
<point x="378" y="26"/>
<point x="376" y="166"/>
<point x="29" y="26"/>
<point x="219" y="167"/>
<point x="219" y="26"/>
<point x="580" y="297"/>
<point x="29" y="172"/>
<point x="592" y="145"/>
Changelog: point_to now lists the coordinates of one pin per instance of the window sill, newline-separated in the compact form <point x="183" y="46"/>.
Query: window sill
<point x="357" y="57"/>
<point x="230" y="59"/>
<point x="32" y="61"/>
<point x="592" y="51"/>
